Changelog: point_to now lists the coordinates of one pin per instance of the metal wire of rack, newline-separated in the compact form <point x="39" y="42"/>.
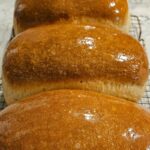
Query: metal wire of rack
<point x="2" y="102"/>
<point x="136" y="32"/>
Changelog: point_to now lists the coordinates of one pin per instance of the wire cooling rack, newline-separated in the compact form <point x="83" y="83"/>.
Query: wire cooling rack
<point x="136" y="29"/>
<point x="2" y="102"/>
<point x="136" y="32"/>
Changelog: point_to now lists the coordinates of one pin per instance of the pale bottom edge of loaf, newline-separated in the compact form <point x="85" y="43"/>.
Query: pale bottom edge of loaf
<point x="126" y="91"/>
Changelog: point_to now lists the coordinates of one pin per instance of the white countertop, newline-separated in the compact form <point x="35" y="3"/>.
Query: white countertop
<point x="6" y="21"/>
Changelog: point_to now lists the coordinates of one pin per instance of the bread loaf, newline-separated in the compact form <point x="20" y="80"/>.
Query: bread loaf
<point x="69" y="56"/>
<point x="70" y="120"/>
<point x="30" y="13"/>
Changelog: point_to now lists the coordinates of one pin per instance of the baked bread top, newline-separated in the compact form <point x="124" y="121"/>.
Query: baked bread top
<point x="73" y="119"/>
<point x="30" y="13"/>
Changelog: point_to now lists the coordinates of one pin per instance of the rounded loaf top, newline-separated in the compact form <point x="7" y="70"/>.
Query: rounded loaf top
<point x="71" y="52"/>
<point x="29" y="13"/>
<point x="73" y="119"/>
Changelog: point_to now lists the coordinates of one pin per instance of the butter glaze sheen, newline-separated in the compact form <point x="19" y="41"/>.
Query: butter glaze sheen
<point x="73" y="119"/>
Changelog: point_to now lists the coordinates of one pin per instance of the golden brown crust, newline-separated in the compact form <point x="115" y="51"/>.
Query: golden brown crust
<point x="29" y="13"/>
<point x="71" y="119"/>
<point x="64" y="52"/>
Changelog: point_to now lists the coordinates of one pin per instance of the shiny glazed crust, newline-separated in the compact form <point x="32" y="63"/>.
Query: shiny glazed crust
<point x="30" y="13"/>
<point x="91" y="57"/>
<point x="70" y="120"/>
